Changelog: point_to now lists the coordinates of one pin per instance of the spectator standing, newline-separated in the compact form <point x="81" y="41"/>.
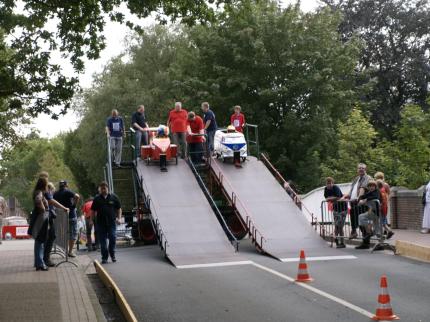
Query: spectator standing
<point x="115" y="132"/>
<point x="210" y="125"/>
<point x="106" y="210"/>
<point x="51" y="230"/>
<point x="358" y="188"/>
<point x="384" y="207"/>
<point x="333" y="194"/>
<point x="426" y="216"/>
<point x="195" y="138"/>
<point x="89" y="225"/>
<point x="69" y="199"/>
<point x="2" y="214"/>
<point x="39" y="228"/>
<point x="138" y="121"/>
<point x="177" y="122"/>
<point x="380" y="176"/>
<point x="238" y="119"/>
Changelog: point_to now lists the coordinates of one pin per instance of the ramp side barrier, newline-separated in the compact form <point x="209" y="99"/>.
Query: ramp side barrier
<point x="328" y="222"/>
<point x="218" y="214"/>
<point x="282" y="181"/>
<point x="257" y="237"/>
<point x="109" y="166"/>
<point x="250" y="142"/>
<point x="161" y="236"/>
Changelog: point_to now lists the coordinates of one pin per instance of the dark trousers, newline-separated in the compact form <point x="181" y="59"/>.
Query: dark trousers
<point x="105" y="233"/>
<point x="49" y="241"/>
<point x="196" y="152"/>
<point x="354" y="212"/>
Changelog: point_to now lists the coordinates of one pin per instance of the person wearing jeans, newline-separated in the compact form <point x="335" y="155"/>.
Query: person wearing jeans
<point x="210" y="125"/>
<point x="115" y="132"/>
<point x="106" y="211"/>
<point x="138" y="121"/>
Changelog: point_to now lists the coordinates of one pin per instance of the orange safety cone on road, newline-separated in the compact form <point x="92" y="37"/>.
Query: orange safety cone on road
<point x="302" y="274"/>
<point x="384" y="312"/>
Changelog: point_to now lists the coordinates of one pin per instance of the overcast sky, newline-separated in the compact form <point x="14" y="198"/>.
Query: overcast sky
<point x="115" y="34"/>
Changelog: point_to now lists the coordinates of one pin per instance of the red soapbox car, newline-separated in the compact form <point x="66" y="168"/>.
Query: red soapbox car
<point x="159" y="150"/>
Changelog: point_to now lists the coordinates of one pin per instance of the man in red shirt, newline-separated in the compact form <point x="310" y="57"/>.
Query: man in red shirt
<point x="177" y="122"/>
<point x="195" y="138"/>
<point x="238" y="119"/>
<point x="86" y="210"/>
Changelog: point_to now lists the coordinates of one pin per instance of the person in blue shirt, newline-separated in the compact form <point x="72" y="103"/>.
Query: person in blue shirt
<point x="210" y="124"/>
<point x="115" y="132"/>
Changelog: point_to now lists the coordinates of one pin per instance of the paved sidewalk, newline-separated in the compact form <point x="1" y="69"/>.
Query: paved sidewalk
<point x="412" y="236"/>
<point x="57" y="295"/>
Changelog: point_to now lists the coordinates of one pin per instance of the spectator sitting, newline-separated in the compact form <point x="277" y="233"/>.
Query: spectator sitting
<point x="238" y="119"/>
<point x="333" y="194"/>
<point x="365" y="220"/>
<point x="384" y="207"/>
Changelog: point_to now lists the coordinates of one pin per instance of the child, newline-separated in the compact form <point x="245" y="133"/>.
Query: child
<point x="384" y="207"/>
<point x="366" y="219"/>
<point x="238" y="119"/>
<point x="333" y="194"/>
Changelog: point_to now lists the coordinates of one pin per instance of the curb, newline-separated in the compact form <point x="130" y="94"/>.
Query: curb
<point x="412" y="250"/>
<point x="118" y="296"/>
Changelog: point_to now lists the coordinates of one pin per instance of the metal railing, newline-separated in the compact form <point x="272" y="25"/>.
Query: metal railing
<point x="296" y="197"/>
<point x="254" y="142"/>
<point x="224" y="225"/>
<point x="328" y="209"/>
<point x="257" y="237"/>
<point x="109" y="166"/>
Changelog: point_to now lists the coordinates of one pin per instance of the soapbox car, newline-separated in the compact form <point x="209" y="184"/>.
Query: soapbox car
<point x="160" y="150"/>
<point x="230" y="144"/>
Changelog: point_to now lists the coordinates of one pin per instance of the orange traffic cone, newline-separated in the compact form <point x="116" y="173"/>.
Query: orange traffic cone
<point x="384" y="312"/>
<point x="302" y="274"/>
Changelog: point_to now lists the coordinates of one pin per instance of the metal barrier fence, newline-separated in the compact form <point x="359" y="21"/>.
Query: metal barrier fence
<point x="348" y="213"/>
<point x="254" y="142"/>
<point x="61" y="242"/>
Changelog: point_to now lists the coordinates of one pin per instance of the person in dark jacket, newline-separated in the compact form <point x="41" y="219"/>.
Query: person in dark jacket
<point x="333" y="195"/>
<point x="370" y="217"/>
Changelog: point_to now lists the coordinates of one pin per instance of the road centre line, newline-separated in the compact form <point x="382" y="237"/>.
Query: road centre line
<point x="320" y="258"/>
<point x="215" y="264"/>
<point x="317" y="291"/>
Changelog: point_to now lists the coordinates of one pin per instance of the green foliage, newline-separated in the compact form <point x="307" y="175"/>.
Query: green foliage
<point x="21" y="165"/>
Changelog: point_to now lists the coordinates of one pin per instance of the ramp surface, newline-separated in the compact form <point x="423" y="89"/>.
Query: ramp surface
<point x="272" y="211"/>
<point x="192" y="230"/>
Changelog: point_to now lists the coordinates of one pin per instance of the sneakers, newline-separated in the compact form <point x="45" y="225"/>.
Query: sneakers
<point x="390" y="234"/>
<point x="71" y="255"/>
<point x="104" y="261"/>
<point x="363" y="246"/>
<point x="43" y="268"/>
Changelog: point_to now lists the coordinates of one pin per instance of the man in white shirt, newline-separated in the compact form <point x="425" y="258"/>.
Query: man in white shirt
<point x="358" y="188"/>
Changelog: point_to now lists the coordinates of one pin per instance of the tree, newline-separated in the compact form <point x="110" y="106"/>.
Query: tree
<point x="30" y="83"/>
<point x="395" y="57"/>
<point x="355" y="143"/>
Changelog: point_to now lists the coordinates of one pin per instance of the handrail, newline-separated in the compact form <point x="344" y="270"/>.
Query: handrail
<point x="109" y="165"/>
<point x="224" y="225"/>
<point x="277" y="175"/>
<point x="252" y="229"/>
<point x="248" y="141"/>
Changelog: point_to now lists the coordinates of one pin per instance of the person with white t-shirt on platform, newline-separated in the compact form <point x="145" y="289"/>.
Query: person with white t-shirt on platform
<point x="358" y="188"/>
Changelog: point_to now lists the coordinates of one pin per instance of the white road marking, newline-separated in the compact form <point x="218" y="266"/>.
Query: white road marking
<point x="317" y="291"/>
<point x="320" y="258"/>
<point x="215" y="264"/>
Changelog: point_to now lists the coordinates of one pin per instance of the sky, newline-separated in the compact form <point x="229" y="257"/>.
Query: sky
<point x="115" y="34"/>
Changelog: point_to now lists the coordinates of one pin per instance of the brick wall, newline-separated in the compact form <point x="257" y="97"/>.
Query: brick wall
<point x="406" y="208"/>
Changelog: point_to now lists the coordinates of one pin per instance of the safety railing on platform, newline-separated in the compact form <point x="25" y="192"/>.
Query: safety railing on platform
<point x="340" y="218"/>
<point x="295" y="197"/>
<point x="252" y="141"/>
<point x="109" y="166"/>
<point x="218" y="214"/>
<point x="257" y="237"/>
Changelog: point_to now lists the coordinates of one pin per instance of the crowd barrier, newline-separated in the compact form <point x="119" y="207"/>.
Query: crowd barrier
<point x="61" y="224"/>
<point x="352" y="210"/>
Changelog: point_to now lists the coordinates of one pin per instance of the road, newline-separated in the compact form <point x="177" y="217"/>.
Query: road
<point x="343" y="290"/>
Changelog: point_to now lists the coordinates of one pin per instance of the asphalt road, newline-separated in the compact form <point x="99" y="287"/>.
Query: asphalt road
<point x="262" y="291"/>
